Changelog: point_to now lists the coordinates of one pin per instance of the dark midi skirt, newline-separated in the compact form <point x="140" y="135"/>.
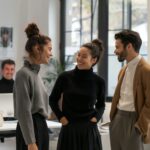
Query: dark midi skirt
<point x="41" y="134"/>
<point x="79" y="136"/>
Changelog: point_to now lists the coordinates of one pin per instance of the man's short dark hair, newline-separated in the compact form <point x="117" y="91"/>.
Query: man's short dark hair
<point x="7" y="61"/>
<point x="129" y="36"/>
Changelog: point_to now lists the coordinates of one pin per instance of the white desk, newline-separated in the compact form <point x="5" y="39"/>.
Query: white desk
<point x="11" y="125"/>
<point x="53" y="124"/>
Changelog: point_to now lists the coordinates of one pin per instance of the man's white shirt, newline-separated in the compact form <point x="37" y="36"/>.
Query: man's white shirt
<point x="126" y="101"/>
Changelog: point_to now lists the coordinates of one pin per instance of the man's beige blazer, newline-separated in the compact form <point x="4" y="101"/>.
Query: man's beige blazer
<point x="141" y="91"/>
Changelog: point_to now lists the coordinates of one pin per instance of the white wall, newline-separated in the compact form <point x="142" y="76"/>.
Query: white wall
<point x="38" y="12"/>
<point x="30" y="11"/>
<point x="18" y="13"/>
<point x="54" y="25"/>
<point x="8" y="18"/>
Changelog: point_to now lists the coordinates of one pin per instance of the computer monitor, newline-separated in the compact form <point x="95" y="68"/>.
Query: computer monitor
<point x="6" y="104"/>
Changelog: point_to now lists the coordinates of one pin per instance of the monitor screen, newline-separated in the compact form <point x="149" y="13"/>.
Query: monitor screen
<point x="6" y="105"/>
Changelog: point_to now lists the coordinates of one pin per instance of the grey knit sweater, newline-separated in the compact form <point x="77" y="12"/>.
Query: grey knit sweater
<point x="30" y="97"/>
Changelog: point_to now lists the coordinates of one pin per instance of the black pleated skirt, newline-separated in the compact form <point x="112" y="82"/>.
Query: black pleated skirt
<point x="79" y="136"/>
<point x="41" y="134"/>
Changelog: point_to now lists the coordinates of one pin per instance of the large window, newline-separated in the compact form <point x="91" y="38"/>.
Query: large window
<point x="81" y="27"/>
<point x="124" y="14"/>
<point x="87" y="19"/>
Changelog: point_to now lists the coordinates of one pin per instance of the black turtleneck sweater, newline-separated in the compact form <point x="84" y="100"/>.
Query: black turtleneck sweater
<point x="83" y="95"/>
<point x="6" y="86"/>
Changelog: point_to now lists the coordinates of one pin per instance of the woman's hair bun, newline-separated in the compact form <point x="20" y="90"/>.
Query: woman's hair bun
<point x="32" y="30"/>
<point x="98" y="43"/>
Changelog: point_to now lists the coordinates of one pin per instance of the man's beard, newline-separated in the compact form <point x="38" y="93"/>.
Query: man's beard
<point x="122" y="56"/>
<point x="121" y="59"/>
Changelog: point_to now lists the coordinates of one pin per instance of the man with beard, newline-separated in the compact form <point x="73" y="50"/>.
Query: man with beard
<point x="130" y="110"/>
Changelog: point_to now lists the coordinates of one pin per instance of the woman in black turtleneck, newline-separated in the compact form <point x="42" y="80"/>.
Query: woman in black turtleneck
<point x="83" y="101"/>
